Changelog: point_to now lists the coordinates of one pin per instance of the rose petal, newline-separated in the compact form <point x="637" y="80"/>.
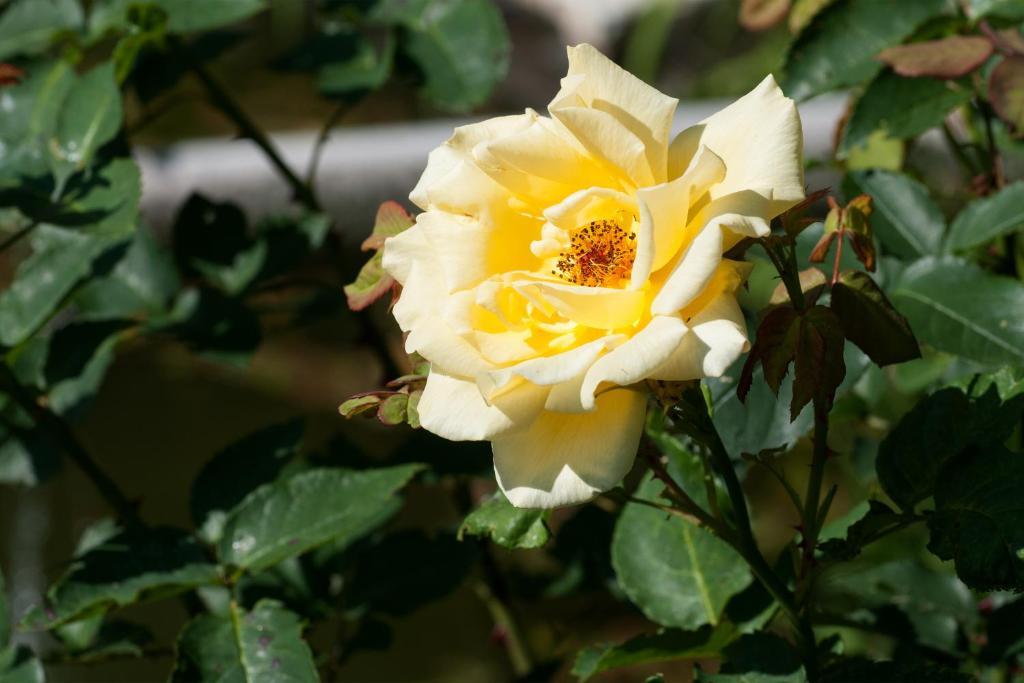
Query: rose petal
<point x="454" y="409"/>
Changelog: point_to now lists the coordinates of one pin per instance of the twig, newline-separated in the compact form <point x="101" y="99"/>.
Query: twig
<point x="321" y="142"/>
<point x="812" y="500"/>
<point x="54" y="427"/>
<point x="246" y="127"/>
<point x="18" y="235"/>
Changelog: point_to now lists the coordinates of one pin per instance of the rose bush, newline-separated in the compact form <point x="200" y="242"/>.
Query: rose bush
<point x="561" y="260"/>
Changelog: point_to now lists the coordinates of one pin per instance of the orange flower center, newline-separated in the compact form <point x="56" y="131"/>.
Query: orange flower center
<point x="600" y="254"/>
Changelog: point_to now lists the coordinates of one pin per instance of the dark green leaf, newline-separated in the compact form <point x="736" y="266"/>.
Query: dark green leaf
<point x="934" y="432"/>
<point x="838" y="48"/>
<point x="984" y="220"/>
<point x="128" y="567"/>
<point x="664" y="646"/>
<point x="677" y="573"/>
<point x="213" y="324"/>
<point x="17" y="665"/>
<point x="902" y="107"/>
<point x="870" y="321"/>
<point x="95" y="639"/>
<point x="289" y="517"/>
<point x="91" y="117"/>
<point x="30" y="117"/>
<point x="461" y="46"/>
<point x="758" y="658"/>
<point x="263" y="645"/>
<point x="857" y="669"/>
<point x="1005" y="633"/>
<point x="1009" y="9"/>
<point x="237" y="470"/>
<point x="28" y="26"/>
<point x="387" y="582"/>
<point x="60" y="259"/>
<point x="957" y="307"/>
<point x="5" y="614"/>
<point x="506" y="525"/>
<point x="905" y="219"/>
<point x="77" y="359"/>
<point x="979" y="518"/>
<point x="27" y="456"/>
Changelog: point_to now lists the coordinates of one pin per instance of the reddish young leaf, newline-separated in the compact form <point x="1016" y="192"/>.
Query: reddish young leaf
<point x="819" y="366"/>
<point x="373" y="282"/>
<point x="1006" y="91"/>
<point x="950" y="57"/>
<point x="758" y="15"/>
<point x="871" y="322"/>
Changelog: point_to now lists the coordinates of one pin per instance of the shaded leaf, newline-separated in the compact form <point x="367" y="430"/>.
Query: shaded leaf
<point x="677" y="573"/>
<point x="901" y="108"/>
<point x="183" y="16"/>
<point x="957" y="307"/>
<point x="934" y="432"/>
<point x="838" y="46"/>
<point x="5" y="614"/>
<point x="849" y="669"/>
<point x="78" y="356"/>
<point x="906" y="220"/>
<point x="506" y="525"/>
<point x="870" y="321"/>
<point x="261" y="645"/>
<point x="18" y="665"/>
<point x="385" y="581"/>
<point x="948" y="57"/>
<point x="230" y="475"/>
<point x="979" y="518"/>
<point x="665" y="646"/>
<point x="989" y="218"/>
<point x="290" y="517"/>
<point x="128" y="567"/>
<point x="30" y="117"/>
<point x="367" y="69"/>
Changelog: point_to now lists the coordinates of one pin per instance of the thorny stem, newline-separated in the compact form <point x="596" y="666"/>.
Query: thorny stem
<point x="790" y="277"/>
<point x="841" y="237"/>
<point x="247" y="128"/>
<point x="60" y="432"/>
<point x="680" y="497"/>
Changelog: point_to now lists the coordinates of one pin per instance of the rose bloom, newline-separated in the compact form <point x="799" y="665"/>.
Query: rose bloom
<point x="560" y="262"/>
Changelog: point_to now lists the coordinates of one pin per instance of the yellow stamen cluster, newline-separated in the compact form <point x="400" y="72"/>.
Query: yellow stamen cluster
<point x="600" y="254"/>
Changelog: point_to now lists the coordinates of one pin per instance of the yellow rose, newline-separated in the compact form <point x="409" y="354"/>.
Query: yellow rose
<point x="560" y="261"/>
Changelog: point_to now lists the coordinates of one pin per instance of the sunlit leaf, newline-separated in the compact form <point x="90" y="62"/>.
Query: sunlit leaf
<point x="989" y="218"/>
<point x="506" y="525"/>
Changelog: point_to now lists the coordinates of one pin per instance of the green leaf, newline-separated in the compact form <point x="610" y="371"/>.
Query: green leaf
<point x="870" y="321"/>
<point x="901" y="107"/>
<point x="289" y="517"/>
<point x="19" y="666"/>
<point x="365" y="70"/>
<point x="1005" y="633"/>
<point x="933" y="605"/>
<point x="28" y="26"/>
<point x="1009" y="9"/>
<point x="461" y="46"/>
<point x="27" y="456"/>
<point x="507" y="525"/>
<point x="905" y="219"/>
<point x="957" y="307"/>
<point x="665" y="646"/>
<point x="128" y="567"/>
<point x="31" y="109"/>
<point x="979" y="518"/>
<point x="989" y="218"/>
<point x="848" y="669"/>
<point x="263" y="645"/>
<point x="937" y="430"/>
<point x="143" y="282"/>
<point x="77" y="359"/>
<point x="60" y="259"/>
<point x="183" y="16"/>
<point x="838" y="47"/>
<point x="95" y="639"/>
<point x="385" y="581"/>
<point x="90" y="118"/>
<point x="237" y="470"/>
<point x="215" y="325"/>
<point x="677" y="573"/>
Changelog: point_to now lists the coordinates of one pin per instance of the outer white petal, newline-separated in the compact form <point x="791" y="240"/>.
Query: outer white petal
<point x="716" y="339"/>
<point x="595" y="82"/>
<point x="454" y="409"/>
<point x="760" y="139"/>
<point x="636" y="359"/>
<point x="564" y="459"/>
<point x="692" y="272"/>
<point x="402" y="250"/>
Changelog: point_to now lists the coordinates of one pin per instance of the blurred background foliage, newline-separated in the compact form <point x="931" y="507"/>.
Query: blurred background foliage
<point x="168" y="406"/>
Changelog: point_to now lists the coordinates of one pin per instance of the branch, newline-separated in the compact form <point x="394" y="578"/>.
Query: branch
<point x="61" y="434"/>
